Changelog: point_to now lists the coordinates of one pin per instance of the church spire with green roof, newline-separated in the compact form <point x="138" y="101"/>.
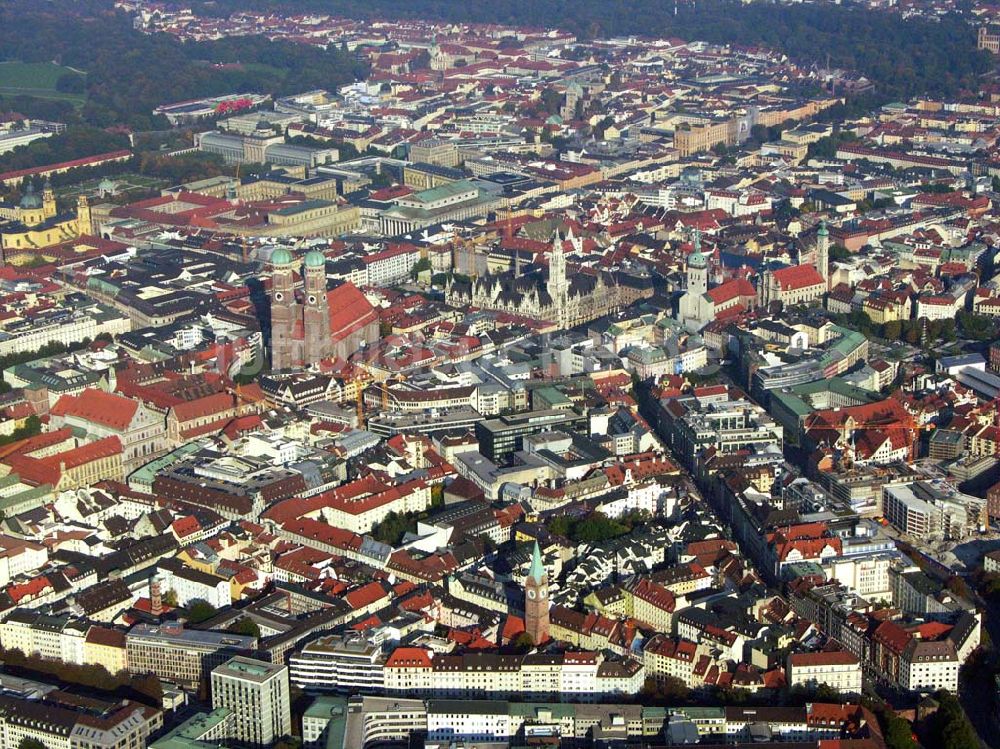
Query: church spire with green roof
<point x="537" y="571"/>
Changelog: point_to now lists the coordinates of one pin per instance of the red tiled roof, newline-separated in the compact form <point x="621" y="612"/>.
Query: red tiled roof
<point x="111" y="638"/>
<point x="211" y="404"/>
<point x="732" y="290"/>
<point x="409" y="658"/>
<point x="85" y="161"/>
<point x="655" y="594"/>
<point x="673" y="647"/>
<point x="48" y="470"/>
<point x="98" y="407"/>
<point x="183" y="527"/>
<point x="349" y="310"/>
<point x="798" y="277"/>
<point x="38" y="442"/>
<point x="893" y="636"/>
<point x="826" y="658"/>
<point x="513" y="626"/>
<point x="366" y="595"/>
<point x="30" y="589"/>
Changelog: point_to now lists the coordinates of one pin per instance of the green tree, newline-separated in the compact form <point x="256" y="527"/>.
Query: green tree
<point x="184" y="168"/>
<point x="594" y="528"/>
<point x="437" y="495"/>
<point x="143" y="687"/>
<point x="597" y="527"/>
<point x="988" y="584"/>
<point x="977" y="327"/>
<point x="129" y="73"/>
<point x="523" y="643"/>
<point x="32" y="426"/>
<point x="839" y="252"/>
<point x="73" y="143"/>
<point x="561" y="525"/>
<point x="668" y="690"/>
<point x="824" y="148"/>
<point x="892" y="330"/>
<point x="380" y="180"/>
<point x="785" y="211"/>
<point x="200" y="610"/>
<point x="148" y="685"/>
<point x="70" y="83"/>
<point x="551" y="101"/>
<point x="758" y="135"/>
<point x="897" y="732"/>
<point x="489" y="545"/>
<point x="391" y="529"/>
<point x="421" y="265"/>
<point x="29" y="743"/>
<point x="935" y="187"/>
<point x="949" y="728"/>
<point x="245" y="626"/>
<point x="826" y="693"/>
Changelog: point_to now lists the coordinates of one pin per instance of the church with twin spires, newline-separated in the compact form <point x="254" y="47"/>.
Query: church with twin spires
<point x="310" y="323"/>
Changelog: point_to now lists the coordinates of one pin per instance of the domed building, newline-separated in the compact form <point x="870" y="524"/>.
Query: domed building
<point x="35" y="223"/>
<point x="310" y="322"/>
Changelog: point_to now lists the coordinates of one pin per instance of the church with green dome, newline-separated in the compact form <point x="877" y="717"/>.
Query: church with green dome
<point x="311" y="322"/>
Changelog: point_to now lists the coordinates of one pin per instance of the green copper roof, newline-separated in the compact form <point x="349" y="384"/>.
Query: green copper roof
<point x="31" y="199"/>
<point x="281" y="256"/>
<point x="697" y="257"/>
<point x="315" y="259"/>
<point x="537" y="571"/>
<point x="823" y="231"/>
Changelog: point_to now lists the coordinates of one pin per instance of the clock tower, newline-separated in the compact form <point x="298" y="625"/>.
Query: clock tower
<point x="536" y="599"/>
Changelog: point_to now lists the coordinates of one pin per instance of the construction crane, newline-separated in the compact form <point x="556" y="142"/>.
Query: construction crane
<point x="385" y="389"/>
<point x="359" y="379"/>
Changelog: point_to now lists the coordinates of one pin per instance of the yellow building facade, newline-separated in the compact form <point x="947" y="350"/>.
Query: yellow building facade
<point x="35" y="223"/>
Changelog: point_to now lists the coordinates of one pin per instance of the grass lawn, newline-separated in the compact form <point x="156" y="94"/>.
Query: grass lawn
<point x="34" y="79"/>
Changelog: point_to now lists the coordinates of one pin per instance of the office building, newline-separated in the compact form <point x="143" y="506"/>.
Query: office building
<point x="500" y="437"/>
<point x="179" y="655"/>
<point x="258" y="695"/>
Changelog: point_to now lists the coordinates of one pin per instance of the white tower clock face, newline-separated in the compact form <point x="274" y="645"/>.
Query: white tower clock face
<point x="542" y="593"/>
<point x="531" y="594"/>
<point x="278" y="296"/>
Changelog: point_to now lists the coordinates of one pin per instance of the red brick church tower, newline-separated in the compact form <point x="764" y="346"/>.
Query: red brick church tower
<point x="316" y="317"/>
<point x="313" y="323"/>
<point x="536" y="599"/>
<point x="285" y="310"/>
